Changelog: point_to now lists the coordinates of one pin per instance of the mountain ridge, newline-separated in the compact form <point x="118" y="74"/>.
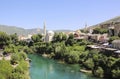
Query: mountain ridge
<point x="109" y="21"/>
<point x="22" y="31"/>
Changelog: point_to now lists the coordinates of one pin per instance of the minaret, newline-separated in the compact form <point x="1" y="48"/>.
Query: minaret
<point x="44" y="31"/>
<point x="85" y="29"/>
<point x="85" y="26"/>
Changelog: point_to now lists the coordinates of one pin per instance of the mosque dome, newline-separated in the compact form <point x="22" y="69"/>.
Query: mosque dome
<point x="50" y="33"/>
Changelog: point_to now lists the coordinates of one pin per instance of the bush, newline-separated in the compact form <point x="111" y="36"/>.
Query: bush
<point x="72" y="57"/>
<point x="116" y="73"/>
<point x="99" y="72"/>
<point x="5" y="69"/>
<point x="16" y="76"/>
<point x="18" y="69"/>
<point x="14" y="59"/>
<point x="22" y="55"/>
<point x="89" y="64"/>
<point x="10" y="49"/>
<point x="29" y="49"/>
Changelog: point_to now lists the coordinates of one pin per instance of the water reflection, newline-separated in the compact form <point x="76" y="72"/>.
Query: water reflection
<point x="43" y="68"/>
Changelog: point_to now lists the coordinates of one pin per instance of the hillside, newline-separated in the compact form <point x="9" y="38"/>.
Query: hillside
<point x="113" y="20"/>
<point x="18" y="30"/>
<point x="22" y="31"/>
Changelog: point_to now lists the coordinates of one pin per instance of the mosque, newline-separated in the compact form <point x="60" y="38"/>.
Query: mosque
<point x="48" y="35"/>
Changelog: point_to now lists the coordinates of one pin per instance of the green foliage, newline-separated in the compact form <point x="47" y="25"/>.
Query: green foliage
<point x="15" y="50"/>
<point x="40" y="47"/>
<point x="20" y="72"/>
<point x="84" y="31"/>
<point x="93" y="53"/>
<point x="100" y="30"/>
<point x="113" y="38"/>
<point x="37" y="38"/>
<point x="99" y="72"/>
<point x="18" y="69"/>
<point x="70" y="41"/>
<point x="49" y="48"/>
<point x="89" y="64"/>
<point x="2" y="76"/>
<point x="5" y="69"/>
<point x="15" y="59"/>
<point x="14" y="38"/>
<point x="83" y="57"/>
<point x="76" y="48"/>
<point x="59" y="37"/>
<point x="85" y="42"/>
<point x="23" y="43"/>
<point x="10" y="49"/>
<point x="59" y="50"/>
<point x="28" y="50"/>
<point x="116" y="73"/>
<point x="72" y="57"/>
<point x="22" y="55"/>
<point x="4" y="39"/>
<point x="24" y="65"/>
<point x="16" y="76"/>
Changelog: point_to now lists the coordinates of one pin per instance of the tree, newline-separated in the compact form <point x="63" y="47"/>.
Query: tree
<point x="15" y="59"/>
<point x="89" y="64"/>
<point x="99" y="72"/>
<point x="5" y="69"/>
<point x="64" y="37"/>
<point x="72" y="56"/>
<point x="14" y="38"/>
<point x="59" y="37"/>
<point x="116" y="69"/>
<point x="10" y="49"/>
<point x="59" y="50"/>
<point x="37" y="38"/>
<point x="70" y="41"/>
<point x="23" y="43"/>
<point x="4" y="39"/>
<point x="116" y="73"/>
<point x="99" y="30"/>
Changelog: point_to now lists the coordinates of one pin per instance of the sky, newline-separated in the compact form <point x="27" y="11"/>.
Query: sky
<point x="58" y="14"/>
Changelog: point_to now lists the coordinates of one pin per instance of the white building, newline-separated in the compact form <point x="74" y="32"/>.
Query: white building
<point x="49" y="36"/>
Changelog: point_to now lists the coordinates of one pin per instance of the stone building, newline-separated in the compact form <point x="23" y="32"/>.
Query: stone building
<point x="99" y="37"/>
<point x="116" y="28"/>
<point x="49" y="36"/>
<point x="116" y="44"/>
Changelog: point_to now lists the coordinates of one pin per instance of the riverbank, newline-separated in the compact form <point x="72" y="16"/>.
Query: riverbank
<point x="28" y="73"/>
<point x="63" y="62"/>
<point x="86" y="71"/>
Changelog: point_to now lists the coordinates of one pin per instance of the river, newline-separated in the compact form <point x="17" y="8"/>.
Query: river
<point x="44" y="68"/>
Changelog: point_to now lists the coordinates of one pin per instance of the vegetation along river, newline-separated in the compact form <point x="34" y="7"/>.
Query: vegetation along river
<point x="44" y="68"/>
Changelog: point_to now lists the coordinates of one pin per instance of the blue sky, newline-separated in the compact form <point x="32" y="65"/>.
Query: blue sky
<point x="58" y="14"/>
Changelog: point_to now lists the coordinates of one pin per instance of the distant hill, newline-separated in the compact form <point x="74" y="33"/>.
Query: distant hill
<point x="22" y="31"/>
<point x="113" y="20"/>
<point x="18" y="30"/>
<point x="62" y="30"/>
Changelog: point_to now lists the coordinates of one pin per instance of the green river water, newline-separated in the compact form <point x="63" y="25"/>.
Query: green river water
<point x="44" y="68"/>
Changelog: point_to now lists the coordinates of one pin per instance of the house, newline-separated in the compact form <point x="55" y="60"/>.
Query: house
<point x="117" y="28"/>
<point x="116" y="44"/>
<point x="98" y="37"/>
